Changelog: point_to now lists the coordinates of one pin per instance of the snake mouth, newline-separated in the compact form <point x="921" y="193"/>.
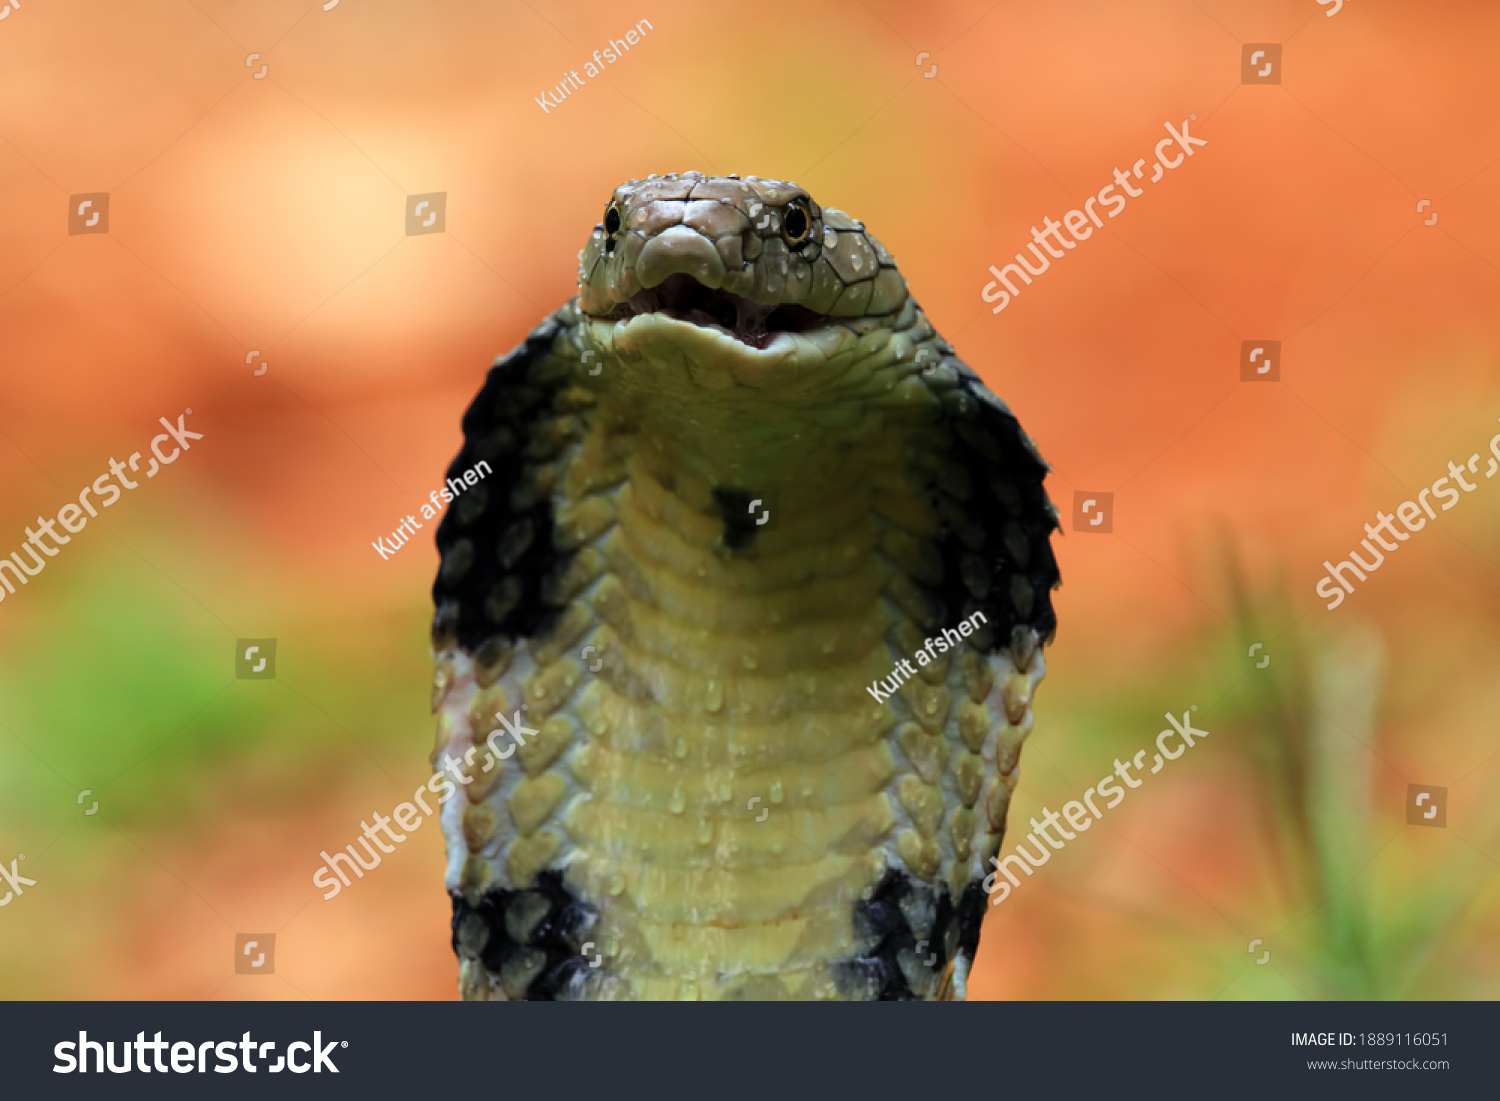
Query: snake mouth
<point x="683" y="298"/>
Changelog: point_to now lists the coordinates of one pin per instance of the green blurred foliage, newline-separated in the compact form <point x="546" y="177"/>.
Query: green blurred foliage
<point x="1362" y="927"/>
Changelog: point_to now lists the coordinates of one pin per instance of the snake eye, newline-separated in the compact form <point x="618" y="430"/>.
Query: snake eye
<point x="796" y="223"/>
<point x="612" y="219"/>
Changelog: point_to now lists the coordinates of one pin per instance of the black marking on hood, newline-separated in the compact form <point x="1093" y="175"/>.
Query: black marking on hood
<point x="740" y="527"/>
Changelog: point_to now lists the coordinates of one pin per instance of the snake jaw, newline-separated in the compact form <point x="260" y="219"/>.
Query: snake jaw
<point x="683" y="297"/>
<point x="658" y="349"/>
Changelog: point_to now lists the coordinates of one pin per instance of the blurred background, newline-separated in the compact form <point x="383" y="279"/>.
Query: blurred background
<point x="266" y="214"/>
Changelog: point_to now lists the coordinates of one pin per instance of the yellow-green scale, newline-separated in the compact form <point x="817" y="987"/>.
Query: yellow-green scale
<point x="735" y="765"/>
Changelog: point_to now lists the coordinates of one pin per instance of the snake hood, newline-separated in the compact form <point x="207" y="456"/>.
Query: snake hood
<point x="736" y="639"/>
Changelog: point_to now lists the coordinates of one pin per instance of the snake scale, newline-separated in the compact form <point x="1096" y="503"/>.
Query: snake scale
<point x="738" y="643"/>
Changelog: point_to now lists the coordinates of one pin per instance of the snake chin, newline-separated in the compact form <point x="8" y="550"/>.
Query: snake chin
<point x="754" y="324"/>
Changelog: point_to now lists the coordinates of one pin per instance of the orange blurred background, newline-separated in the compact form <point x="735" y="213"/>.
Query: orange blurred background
<point x="266" y="214"/>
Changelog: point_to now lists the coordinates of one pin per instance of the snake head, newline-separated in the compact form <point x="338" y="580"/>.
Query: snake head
<point x="732" y="267"/>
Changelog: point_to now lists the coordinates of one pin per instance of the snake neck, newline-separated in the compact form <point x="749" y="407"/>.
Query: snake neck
<point x="717" y="805"/>
<point x="732" y="785"/>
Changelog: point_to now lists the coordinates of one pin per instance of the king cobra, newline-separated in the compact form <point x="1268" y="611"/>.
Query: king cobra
<point x="736" y="639"/>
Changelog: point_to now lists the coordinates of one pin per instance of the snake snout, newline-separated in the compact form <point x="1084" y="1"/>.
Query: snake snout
<point x="679" y="250"/>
